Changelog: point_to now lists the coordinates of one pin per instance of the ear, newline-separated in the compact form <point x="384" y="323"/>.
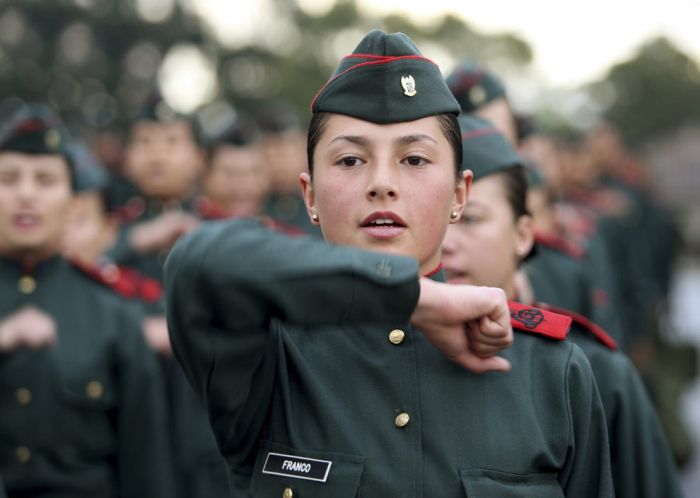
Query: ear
<point x="461" y="195"/>
<point x="307" y="191"/>
<point x="525" y="236"/>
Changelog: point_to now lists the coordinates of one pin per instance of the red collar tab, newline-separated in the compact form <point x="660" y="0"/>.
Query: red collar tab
<point x="435" y="271"/>
<point x="560" y="244"/>
<point x="538" y="321"/>
<point x="126" y="282"/>
<point x="584" y="322"/>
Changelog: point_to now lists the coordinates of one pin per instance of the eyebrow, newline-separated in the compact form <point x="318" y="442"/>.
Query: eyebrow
<point x="363" y="141"/>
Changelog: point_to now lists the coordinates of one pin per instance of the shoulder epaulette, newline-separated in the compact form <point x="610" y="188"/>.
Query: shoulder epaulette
<point x="560" y="244"/>
<point x="126" y="282"/>
<point x="600" y="334"/>
<point x="538" y="321"/>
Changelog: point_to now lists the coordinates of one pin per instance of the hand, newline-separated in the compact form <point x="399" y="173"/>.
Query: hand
<point x="155" y="330"/>
<point x="468" y="324"/>
<point x="161" y="232"/>
<point x="28" y="327"/>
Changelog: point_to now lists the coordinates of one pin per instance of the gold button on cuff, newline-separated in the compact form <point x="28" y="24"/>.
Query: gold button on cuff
<point x="94" y="389"/>
<point x="396" y="336"/>
<point x="402" y="419"/>
<point x="23" y="454"/>
<point x="24" y="396"/>
<point x="287" y="493"/>
<point x="26" y="284"/>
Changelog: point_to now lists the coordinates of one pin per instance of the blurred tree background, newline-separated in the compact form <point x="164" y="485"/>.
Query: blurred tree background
<point x="96" y="61"/>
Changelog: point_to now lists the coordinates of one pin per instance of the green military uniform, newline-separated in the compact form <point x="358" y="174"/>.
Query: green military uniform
<point x="564" y="278"/>
<point x="200" y="470"/>
<point x="642" y="465"/>
<point x="85" y="418"/>
<point x="312" y="358"/>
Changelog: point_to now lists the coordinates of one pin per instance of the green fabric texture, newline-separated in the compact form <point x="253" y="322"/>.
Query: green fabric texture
<point x="484" y="149"/>
<point x="386" y="80"/>
<point x="474" y="86"/>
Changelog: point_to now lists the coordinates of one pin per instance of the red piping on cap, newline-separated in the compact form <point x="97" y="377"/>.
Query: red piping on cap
<point x="379" y="59"/>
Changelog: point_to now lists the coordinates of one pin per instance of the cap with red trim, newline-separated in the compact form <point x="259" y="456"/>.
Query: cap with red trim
<point x="538" y="321"/>
<point x="473" y="86"/>
<point x="386" y="80"/>
<point x="484" y="149"/>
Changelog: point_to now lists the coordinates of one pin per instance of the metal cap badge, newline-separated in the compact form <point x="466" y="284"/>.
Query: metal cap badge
<point x="409" y="85"/>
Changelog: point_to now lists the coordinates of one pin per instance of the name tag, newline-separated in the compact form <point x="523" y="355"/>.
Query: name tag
<point x="297" y="467"/>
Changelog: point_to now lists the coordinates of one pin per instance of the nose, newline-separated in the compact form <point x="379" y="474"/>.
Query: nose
<point x="383" y="183"/>
<point x="26" y="189"/>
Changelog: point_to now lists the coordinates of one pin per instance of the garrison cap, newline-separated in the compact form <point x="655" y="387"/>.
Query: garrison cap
<point x="474" y="86"/>
<point x="386" y="80"/>
<point x="157" y="110"/>
<point x="242" y="132"/>
<point x="35" y="129"/>
<point x="484" y="149"/>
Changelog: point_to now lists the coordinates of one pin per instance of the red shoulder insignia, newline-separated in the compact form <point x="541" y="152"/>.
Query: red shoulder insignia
<point x="600" y="334"/>
<point x="124" y="281"/>
<point x="208" y="210"/>
<point x="538" y="321"/>
<point x="560" y="244"/>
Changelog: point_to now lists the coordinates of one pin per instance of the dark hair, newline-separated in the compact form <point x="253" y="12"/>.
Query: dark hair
<point x="514" y="181"/>
<point x="448" y="124"/>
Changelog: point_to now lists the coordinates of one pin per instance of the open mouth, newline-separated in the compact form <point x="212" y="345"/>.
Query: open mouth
<point x="456" y="276"/>
<point x="383" y="225"/>
<point x="26" y="221"/>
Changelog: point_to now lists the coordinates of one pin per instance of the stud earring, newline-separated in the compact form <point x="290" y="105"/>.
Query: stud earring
<point x="454" y="215"/>
<point x="314" y="217"/>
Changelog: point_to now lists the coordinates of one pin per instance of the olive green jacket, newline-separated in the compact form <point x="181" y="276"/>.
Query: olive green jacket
<point x="312" y="391"/>
<point x="85" y="418"/>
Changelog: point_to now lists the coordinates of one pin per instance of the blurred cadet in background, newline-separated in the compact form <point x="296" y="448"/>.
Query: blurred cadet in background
<point x="481" y="93"/>
<point x="284" y="148"/>
<point x="495" y="236"/>
<point x="236" y="181"/>
<point x="164" y="160"/>
<point x="561" y="272"/>
<point x="83" y="410"/>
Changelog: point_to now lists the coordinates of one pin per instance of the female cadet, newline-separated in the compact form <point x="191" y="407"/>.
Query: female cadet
<point x="495" y="235"/>
<point x="316" y="362"/>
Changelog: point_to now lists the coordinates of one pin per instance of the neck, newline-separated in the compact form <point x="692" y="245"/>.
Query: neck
<point x="28" y="259"/>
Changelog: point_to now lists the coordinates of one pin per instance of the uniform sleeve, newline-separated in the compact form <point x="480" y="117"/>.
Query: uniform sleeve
<point x="587" y="471"/>
<point x="144" y="454"/>
<point x="229" y="287"/>
<point x="642" y="463"/>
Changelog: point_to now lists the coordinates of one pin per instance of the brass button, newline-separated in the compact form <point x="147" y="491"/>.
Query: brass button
<point x="24" y="396"/>
<point x="23" y="454"/>
<point x="26" y="284"/>
<point x="288" y="493"/>
<point x="94" y="389"/>
<point x="402" y="419"/>
<point x="396" y="336"/>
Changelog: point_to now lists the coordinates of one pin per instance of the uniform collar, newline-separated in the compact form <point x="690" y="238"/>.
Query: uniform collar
<point x="437" y="274"/>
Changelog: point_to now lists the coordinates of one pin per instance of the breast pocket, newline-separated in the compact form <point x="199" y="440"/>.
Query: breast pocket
<point x="282" y="471"/>
<point x="89" y="410"/>
<point x="482" y="483"/>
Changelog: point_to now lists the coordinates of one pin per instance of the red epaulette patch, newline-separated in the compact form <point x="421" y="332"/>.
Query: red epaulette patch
<point x="584" y="322"/>
<point x="538" y="321"/>
<point x="560" y="244"/>
<point x="124" y="281"/>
